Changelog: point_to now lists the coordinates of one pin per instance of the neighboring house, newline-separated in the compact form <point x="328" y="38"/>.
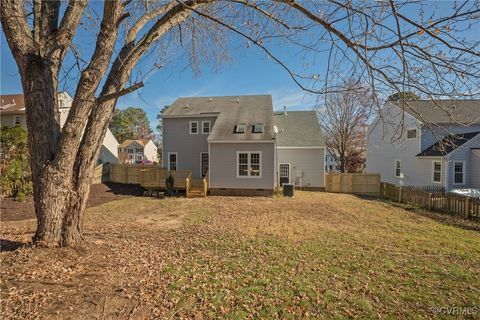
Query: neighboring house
<point x="330" y="163"/>
<point x="300" y="149"/>
<point x="134" y="151"/>
<point x="432" y="148"/>
<point x="232" y="141"/>
<point x="12" y="113"/>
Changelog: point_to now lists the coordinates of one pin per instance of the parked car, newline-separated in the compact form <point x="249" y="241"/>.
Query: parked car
<point x="145" y="162"/>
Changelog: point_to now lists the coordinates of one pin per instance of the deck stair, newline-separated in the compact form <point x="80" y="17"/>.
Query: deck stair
<point x="197" y="189"/>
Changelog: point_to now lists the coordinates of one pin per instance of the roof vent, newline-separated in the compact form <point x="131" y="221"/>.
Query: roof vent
<point x="186" y="107"/>
<point x="210" y="99"/>
<point x="285" y="110"/>
<point x="238" y="100"/>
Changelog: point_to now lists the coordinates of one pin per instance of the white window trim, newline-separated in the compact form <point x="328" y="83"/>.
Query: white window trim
<point x="249" y="164"/>
<point x="433" y="171"/>
<point x="416" y="133"/>
<point x="201" y="154"/>
<point x="168" y="159"/>
<point x="395" y="168"/>
<point x="190" y="127"/>
<point x="261" y="128"/>
<point x="463" y="172"/>
<point x="244" y="128"/>
<point x="289" y="172"/>
<point x="209" y="127"/>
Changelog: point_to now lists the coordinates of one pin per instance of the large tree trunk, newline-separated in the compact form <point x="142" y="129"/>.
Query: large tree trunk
<point x="54" y="197"/>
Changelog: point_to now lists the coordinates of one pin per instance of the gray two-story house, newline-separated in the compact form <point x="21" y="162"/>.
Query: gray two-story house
<point x="232" y="141"/>
<point x="427" y="144"/>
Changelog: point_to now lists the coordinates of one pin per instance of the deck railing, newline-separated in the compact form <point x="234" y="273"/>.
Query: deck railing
<point x="149" y="176"/>
<point x="188" y="184"/>
<point x="205" y="185"/>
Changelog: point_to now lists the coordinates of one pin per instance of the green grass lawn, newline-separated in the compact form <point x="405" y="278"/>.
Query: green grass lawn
<point x="319" y="255"/>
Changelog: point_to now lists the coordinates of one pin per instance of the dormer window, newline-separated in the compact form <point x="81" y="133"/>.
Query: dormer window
<point x="240" y="128"/>
<point x="257" y="128"/>
<point x="411" y="133"/>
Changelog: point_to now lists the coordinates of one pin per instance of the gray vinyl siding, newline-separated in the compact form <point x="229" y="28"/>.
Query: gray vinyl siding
<point x="471" y="166"/>
<point x="223" y="165"/>
<point x="177" y="138"/>
<point x="429" y="138"/>
<point x="311" y="162"/>
<point x="475" y="168"/>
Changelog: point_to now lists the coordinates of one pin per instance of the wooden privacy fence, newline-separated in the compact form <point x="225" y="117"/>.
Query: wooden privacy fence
<point x="148" y="176"/>
<point x="450" y="203"/>
<point x="101" y="173"/>
<point x="356" y="183"/>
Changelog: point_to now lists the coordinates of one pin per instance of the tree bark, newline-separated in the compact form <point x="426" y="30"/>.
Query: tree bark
<point x="51" y="184"/>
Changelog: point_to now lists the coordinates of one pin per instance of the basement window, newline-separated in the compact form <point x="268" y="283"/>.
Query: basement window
<point x="240" y="128"/>
<point x="257" y="128"/>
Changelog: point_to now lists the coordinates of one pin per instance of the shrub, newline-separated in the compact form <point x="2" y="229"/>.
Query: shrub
<point x="15" y="174"/>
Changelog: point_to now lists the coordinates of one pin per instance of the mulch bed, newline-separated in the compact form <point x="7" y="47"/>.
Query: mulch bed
<point x="12" y="210"/>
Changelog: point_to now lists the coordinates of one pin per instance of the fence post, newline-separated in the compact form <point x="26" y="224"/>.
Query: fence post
<point x="400" y="194"/>
<point x="429" y="201"/>
<point x="467" y="207"/>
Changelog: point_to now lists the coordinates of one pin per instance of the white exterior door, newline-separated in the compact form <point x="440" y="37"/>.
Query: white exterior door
<point x="284" y="170"/>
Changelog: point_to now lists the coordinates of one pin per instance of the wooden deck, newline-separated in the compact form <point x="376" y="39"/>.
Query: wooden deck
<point x="153" y="177"/>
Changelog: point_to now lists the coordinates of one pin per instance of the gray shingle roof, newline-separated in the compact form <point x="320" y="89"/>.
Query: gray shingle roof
<point x="447" y="144"/>
<point x="231" y="110"/>
<point x="445" y="111"/>
<point x="298" y="129"/>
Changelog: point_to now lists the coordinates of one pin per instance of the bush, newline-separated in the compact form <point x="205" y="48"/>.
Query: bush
<point x="15" y="174"/>
<point x="20" y="197"/>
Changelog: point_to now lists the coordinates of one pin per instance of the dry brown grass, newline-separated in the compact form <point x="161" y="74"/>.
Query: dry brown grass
<point x="318" y="255"/>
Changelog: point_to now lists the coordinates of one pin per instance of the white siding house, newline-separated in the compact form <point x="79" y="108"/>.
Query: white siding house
<point x="426" y="150"/>
<point x="136" y="151"/>
<point x="12" y="112"/>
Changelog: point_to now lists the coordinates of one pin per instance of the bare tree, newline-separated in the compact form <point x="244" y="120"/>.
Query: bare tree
<point x="344" y="118"/>
<point x="382" y="43"/>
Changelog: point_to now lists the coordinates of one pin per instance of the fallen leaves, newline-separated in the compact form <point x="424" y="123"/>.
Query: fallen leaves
<point x="321" y="255"/>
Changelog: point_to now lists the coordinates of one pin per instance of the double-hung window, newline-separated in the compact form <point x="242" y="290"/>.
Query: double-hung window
<point x="437" y="171"/>
<point x="249" y="164"/>
<point x="17" y="120"/>
<point x="458" y="172"/>
<point x="205" y="127"/>
<point x="398" y="168"/>
<point x="193" y="127"/>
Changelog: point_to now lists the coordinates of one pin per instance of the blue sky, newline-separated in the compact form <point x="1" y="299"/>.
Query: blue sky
<point x="248" y="72"/>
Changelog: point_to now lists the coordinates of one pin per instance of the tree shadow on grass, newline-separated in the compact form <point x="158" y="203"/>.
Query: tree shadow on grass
<point x="450" y="220"/>
<point x="9" y="245"/>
